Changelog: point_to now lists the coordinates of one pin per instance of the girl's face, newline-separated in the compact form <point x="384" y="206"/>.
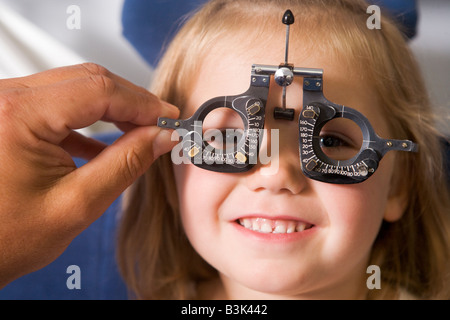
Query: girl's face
<point x="227" y="216"/>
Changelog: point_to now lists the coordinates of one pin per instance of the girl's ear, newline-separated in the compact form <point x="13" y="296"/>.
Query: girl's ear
<point x="398" y="194"/>
<point x="396" y="206"/>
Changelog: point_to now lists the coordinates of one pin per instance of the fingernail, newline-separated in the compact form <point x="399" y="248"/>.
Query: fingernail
<point x="163" y="143"/>
<point x="170" y="107"/>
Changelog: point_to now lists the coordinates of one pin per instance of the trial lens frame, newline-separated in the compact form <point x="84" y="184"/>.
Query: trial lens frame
<point x="317" y="111"/>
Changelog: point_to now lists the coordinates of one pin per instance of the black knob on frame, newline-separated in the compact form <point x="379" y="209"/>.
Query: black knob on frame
<point x="288" y="17"/>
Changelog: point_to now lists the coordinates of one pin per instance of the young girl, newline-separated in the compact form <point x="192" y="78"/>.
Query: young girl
<point x="189" y="233"/>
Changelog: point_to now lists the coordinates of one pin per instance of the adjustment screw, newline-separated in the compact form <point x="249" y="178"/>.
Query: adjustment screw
<point x="284" y="76"/>
<point x="363" y="170"/>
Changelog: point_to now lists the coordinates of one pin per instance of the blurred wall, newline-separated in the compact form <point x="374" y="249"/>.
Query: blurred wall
<point x="432" y="50"/>
<point x="98" y="40"/>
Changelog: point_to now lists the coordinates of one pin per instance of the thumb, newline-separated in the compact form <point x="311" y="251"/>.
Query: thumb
<point x="105" y="177"/>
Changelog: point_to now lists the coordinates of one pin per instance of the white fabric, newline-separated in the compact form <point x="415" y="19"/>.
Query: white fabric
<point x="26" y="49"/>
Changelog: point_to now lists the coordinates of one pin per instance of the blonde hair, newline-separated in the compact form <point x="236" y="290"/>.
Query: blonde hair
<point x="155" y="257"/>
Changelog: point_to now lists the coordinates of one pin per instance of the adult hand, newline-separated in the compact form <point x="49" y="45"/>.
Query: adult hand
<point x="45" y="201"/>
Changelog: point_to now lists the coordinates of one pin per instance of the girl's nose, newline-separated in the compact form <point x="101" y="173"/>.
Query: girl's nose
<point x="281" y="175"/>
<point x="278" y="168"/>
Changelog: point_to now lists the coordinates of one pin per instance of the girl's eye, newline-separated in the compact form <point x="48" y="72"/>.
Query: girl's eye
<point x="223" y="139"/>
<point x="340" y="139"/>
<point x="338" y="147"/>
<point x="232" y="136"/>
<point x="223" y="128"/>
<point x="331" y="142"/>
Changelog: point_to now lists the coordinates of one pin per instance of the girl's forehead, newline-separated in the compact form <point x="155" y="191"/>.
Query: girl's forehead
<point x="225" y="70"/>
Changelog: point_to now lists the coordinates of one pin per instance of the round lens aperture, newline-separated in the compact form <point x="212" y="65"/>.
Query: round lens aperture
<point x="223" y="129"/>
<point x="340" y="139"/>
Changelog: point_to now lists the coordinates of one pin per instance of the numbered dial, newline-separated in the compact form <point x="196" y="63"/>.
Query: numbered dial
<point x="338" y="144"/>
<point x="332" y="147"/>
<point x="224" y="134"/>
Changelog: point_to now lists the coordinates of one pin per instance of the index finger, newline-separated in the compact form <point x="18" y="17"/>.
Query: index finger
<point x="56" y="109"/>
<point x="55" y="75"/>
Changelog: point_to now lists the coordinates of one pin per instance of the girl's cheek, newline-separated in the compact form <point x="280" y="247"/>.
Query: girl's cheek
<point x="354" y="209"/>
<point x="201" y="190"/>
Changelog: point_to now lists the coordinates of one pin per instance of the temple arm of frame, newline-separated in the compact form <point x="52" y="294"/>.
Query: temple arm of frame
<point x="400" y="145"/>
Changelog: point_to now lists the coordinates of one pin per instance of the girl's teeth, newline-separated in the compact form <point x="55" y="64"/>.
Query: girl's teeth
<point x="266" y="227"/>
<point x="291" y="227"/>
<point x="280" y="229"/>
<point x="256" y="224"/>
<point x="273" y="226"/>
<point x="247" y="223"/>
